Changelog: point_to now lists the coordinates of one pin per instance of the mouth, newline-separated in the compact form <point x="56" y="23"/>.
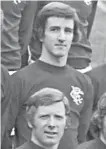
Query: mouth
<point x="60" y="45"/>
<point x="50" y="133"/>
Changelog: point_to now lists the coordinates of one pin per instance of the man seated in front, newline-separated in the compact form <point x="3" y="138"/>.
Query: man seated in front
<point x="47" y="111"/>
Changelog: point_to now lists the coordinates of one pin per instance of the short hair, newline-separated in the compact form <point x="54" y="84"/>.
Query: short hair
<point x="45" y="97"/>
<point x="57" y="9"/>
<point x="98" y="116"/>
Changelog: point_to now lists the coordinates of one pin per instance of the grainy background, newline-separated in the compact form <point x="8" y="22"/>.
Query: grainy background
<point x="98" y="35"/>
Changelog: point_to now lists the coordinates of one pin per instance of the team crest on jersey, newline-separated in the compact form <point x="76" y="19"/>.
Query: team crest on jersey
<point x="76" y="95"/>
<point x="88" y="2"/>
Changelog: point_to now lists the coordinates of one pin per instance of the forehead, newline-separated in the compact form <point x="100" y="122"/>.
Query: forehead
<point x="60" y="22"/>
<point x="55" y="108"/>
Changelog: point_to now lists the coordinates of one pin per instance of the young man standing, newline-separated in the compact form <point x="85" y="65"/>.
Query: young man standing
<point x="56" y="28"/>
<point x="79" y="56"/>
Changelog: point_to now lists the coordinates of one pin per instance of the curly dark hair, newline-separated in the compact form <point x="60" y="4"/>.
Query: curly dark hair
<point x="98" y="116"/>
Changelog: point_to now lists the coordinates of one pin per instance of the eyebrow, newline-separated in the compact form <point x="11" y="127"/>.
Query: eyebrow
<point x="54" y="27"/>
<point x="60" y="27"/>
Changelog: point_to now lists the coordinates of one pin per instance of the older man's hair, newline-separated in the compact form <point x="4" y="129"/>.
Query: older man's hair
<point x="57" y="9"/>
<point x="46" y="97"/>
<point x="98" y="116"/>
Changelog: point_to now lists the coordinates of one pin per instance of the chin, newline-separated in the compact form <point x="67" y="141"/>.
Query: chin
<point x="60" y="55"/>
<point x="50" y="143"/>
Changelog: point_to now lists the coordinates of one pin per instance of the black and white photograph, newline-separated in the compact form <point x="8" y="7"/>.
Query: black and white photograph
<point x="53" y="74"/>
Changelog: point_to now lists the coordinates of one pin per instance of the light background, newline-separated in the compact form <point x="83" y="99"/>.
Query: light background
<point x="98" y="35"/>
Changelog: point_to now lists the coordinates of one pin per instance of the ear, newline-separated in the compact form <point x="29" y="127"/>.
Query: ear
<point x="40" y="34"/>
<point x="41" y="39"/>
<point x="68" y="122"/>
<point x="30" y="125"/>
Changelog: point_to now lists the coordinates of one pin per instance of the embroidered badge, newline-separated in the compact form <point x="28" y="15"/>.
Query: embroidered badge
<point x="76" y="95"/>
<point x="88" y="2"/>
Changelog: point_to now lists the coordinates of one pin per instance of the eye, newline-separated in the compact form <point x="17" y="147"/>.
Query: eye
<point x="54" y="29"/>
<point x="69" y="30"/>
<point x="44" y="116"/>
<point x="59" y="117"/>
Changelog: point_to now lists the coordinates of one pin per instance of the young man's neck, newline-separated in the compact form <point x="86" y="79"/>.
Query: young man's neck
<point x="35" y="141"/>
<point x="60" y="62"/>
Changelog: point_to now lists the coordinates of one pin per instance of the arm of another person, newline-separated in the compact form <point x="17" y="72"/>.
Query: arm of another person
<point x="5" y="99"/>
<point x="14" y="107"/>
<point x="26" y="24"/>
<point x="96" y="85"/>
<point x="91" y="17"/>
<point x="86" y="112"/>
<point x="35" y="44"/>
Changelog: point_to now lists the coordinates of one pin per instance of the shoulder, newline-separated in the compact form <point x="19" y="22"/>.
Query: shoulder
<point x="5" y="77"/>
<point x="4" y="71"/>
<point x="82" y="78"/>
<point x="26" y="71"/>
<point x="24" y="146"/>
<point x="98" y="75"/>
<point x="97" y="71"/>
<point x="87" y="145"/>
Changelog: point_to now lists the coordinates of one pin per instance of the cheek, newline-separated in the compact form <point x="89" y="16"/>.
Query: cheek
<point x="62" y="125"/>
<point x="70" y="39"/>
<point x="37" y="123"/>
<point x="51" y="37"/>
<point x="48" y="40"/>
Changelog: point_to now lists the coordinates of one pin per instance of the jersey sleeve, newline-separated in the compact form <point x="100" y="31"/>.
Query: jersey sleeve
<point x="26" y="25"/>
<point x="86" y="112"/>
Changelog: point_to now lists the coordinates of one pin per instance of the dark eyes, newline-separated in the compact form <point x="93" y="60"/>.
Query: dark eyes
<point x="67" y="30"/>
<point x="48" y="116"/>
<point x="44" y="116"/>
<point x="58" y="117"/>
<point x="54" y="29"/>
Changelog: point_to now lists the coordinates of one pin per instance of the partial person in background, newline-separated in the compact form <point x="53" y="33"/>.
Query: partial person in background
<point x="47" y="116"/>
<point x="98" y="77"/>
<point x="80" y="52"/>
<point x="6" y="93"/>
<point x="98" y="127"/>
<point x="6" y="96"/>
<point x="57" y="26"/>
<point x="17" y="30"/>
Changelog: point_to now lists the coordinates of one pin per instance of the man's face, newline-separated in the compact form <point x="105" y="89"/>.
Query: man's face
<point x="58" y="36"/>
<point x="104" y="127"/>
<point x="49" y="123"/>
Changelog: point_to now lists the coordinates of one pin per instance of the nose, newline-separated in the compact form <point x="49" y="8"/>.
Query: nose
<point x="61" y="36"/>
<point x="51" y="123"/>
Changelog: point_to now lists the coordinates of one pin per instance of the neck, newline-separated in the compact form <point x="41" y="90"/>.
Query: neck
<point x="35" y="141"/>
<point x="102" y="138"/>
<point x="53" y="60"/>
